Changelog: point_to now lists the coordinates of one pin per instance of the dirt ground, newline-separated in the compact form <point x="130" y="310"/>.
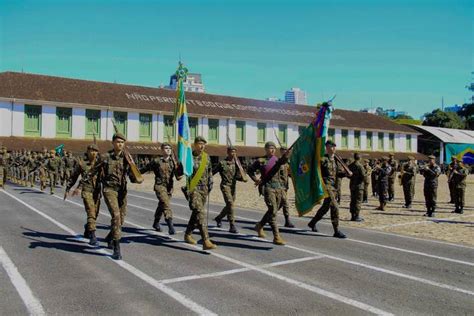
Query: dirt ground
<point x="444" y="226"/>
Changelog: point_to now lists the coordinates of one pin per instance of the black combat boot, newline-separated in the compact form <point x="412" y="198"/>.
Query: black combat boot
<point x="312" y="225"/>
<point x="288" y="223"/>
<point x="339" y="234"/>
<point x="171" y="230"/>
<point x="232" y="229"/>
<point x="218" y="221"/>
<point x="86" y="231"/>
<point x="108" y="240"/>
<point x="156" y="225"/>
<point x="93" y="239"/>
<point x="116" y="245"/>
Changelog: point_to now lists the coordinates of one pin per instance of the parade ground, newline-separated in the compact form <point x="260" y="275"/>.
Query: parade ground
<point x="48" y="267"/>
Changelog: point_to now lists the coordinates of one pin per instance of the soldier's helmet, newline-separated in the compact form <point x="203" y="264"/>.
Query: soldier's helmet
<point x="119" y="136"/>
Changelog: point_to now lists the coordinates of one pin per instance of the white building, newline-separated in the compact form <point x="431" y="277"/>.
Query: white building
<point x="37" y="110"/>
<point x="193" y="83"/>
<point x="296" y="96"/>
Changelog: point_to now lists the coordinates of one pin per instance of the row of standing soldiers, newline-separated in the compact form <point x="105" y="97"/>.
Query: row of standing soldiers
<point x="26" y="168"/>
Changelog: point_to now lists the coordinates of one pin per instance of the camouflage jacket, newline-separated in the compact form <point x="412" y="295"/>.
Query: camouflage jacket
<point x="90" y="181"/>
<point x="358" y="175"/>
<point x="431" y="175"/>
<point x="229" y="172"/>
<point x="164" y="169"/>
<point x="114" y="169"/>
<point x="206" y="183"/>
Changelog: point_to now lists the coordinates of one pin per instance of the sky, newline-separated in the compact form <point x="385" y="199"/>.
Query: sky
<point x="406" y="55"/>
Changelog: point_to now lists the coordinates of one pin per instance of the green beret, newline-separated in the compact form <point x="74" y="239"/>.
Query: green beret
<point x="330" y="143"/>
<point x="270" y="144"/>
<point x="119" y="136"/>
<point x="431" y="157"/>
<point x="200" y="139"/>
<point x="93" y="147"/>
<point x="229" y="148"/>
<point x="163" y="145"/>
<point x="411" y="157"/>
<point x="356" y="156"/>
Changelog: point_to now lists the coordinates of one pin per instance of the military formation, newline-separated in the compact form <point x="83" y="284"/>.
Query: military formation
<point x="105" y="176"/>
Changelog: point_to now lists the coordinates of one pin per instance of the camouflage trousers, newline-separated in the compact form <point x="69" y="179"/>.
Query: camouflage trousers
<point x="329" y="203"/>
<point x="408" y="192"/>
<point x="2" y="175"/>
<point x="228" y="192"/>
<point x="452" y="191"/>
<point x="430" y="198"/>
<point x="391" y="188"/>
<point x="383" y="192"/>
<point x="284" y="203"/>
<point x="116" y="202"/>
<point x="356" y="200"/>
<point x="92" y="205"/>
<point x="365" y="195"/>
<point x="163" y="207"/>
<point x="197" y="204"/>
<point x="273" y="200"/>
<point x="52" y="181"/>
<point x="65" y="176"/>
<point x="459" y="197"/>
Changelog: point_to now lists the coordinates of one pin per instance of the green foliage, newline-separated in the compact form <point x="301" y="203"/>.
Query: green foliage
<point x="440" y="118"/>
<point x="403" y="117"/>
<point x="407" y="121"/>
<point x="467" y="113"/>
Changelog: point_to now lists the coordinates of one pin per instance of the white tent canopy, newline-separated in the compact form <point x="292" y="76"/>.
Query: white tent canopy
<point x="449" y="135"/>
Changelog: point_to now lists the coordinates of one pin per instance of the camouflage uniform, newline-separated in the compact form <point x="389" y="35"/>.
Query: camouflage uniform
<point x="451" y="185"/>
<point x="272" y="192"/>
<point x="459" y="179"/>
<point x="391" y="178"/>
<point x="6" y="164"/>
<point x="408" y="178"/>
<point x="2" y="170"/>
<point x="430" y="187"/>
<point x="197" y="198"/>
<point x="165" y="169"/>
<point x="368" y="174"/>
<point x="329" y="171"/>
<point x="52" y="166"/>
<point x="356" y="186"/>
<point x="374" y="180"/>
<point x="285" y="173"/>
<point x="114" y="186"/>
<point x="383" y="173"/>
<point x="230" y="174"/>
<point x="69" y="164"/>
<point x="338" y="186"/>
<point x="90" y="192"/>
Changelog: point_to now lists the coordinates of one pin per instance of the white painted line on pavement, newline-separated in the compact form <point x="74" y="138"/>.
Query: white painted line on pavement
<point x="233" y="271"/>
<point x="193" y="306"/>
<point x="349" y="239"/>
<point x="33" y="305"/>
<point x="426" y="221"/>
<point x="305" y="286"/>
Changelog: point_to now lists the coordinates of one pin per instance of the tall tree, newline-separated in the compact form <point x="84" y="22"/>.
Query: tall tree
<point x="440" y="118"/>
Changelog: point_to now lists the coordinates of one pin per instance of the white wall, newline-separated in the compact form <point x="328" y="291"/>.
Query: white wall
<point x="5" y="118"/>
<point x="203" y="126"/>
<point x="350" y="139"/>
<point x="375" y="141"/>
<point x="402" y="143"/>
<point x="18" y="120"/>
<point x="414" y="143"/>
<point x="231" y="132"/>
<point x="223" y="132"/>
<point x="161" y="128"/>
<point x="270" y="132"/>
<point x="338" y="137"/>
<point x="154" y="128"/>
<point x="48" y="122"/>
<point x="78" y="123"/>
<point x="251" y="132"/>
<point x="103" y="125"/>
<point x="363" y="140"/>
<point x="292" y="134"/>
<point x="133" y="126"/>
<point x="385" y="142"/>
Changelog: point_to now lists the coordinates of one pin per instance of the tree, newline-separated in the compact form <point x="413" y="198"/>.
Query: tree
<point x="440" y="118"/>
<point x="467" y="113"/>
<point x="403" y="117"/>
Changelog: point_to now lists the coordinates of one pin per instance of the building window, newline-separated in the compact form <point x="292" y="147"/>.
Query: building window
<point x="408" y="142"/>
<point x="170" y="129"/>
<point x="120" y="119"/>
<point x="63" y="122"/>
<point x="331" y="134"/>
<point x="193" y="128"/>
<point x="357" y="139"/>
<point x="213" y="134"/>
<point x="33" y="120"/>
<point x="369" y="140"/>
<point x="282" y="134"/>
<point x="391" y="141"/>
<point x="92" y="123"/>
<point x="261" y="133"/>
<point x="145" y="127"/>
<point x="240" y="132"/>
<point x="301" y="129"/>
<point x="380" y="141"/>
<point x="344" y="138"/>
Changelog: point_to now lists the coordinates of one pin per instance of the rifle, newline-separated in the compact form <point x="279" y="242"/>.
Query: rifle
<point x="236" y="160"/>
<point x="135" y="175"/>
<point x="343" y="165"/>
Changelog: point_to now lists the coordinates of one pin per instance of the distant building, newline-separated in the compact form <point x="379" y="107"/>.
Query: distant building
<point x="274" y="99"/>
<point x="193" y="83"/>
<point x="390" y="113"/>
<point x="296" y="96"/>
<point x="455" y="108"/>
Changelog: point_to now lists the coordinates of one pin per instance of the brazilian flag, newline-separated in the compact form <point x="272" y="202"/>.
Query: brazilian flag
<point x="305" y="162"/>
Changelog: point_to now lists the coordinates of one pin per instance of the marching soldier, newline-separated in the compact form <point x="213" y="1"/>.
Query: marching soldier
<point x="6" y="163"/>
<point x="329" y="170"/>
<point x="460" y="173"/>
<point x="165" y="168"/>
<point x="383" y="171"/>
<point x="373" y="177"/>
<point x="230" y="174"/>
<point x="89" y="186"/>
<point x="68" y="163"/>
<point x="272" y="189"/>
<point x="450" y="173"/>
<point x="431" y="173"/>
<point x="368" y="174"/>
<point x="115" y="168"/>
<point x="284" y="173"/>
<point x="3" y="170"/>
<point x="356" y="186"/>
<point x="52" y="166"/>
<point x="198" y="190"/>
<point x="408" y="179"/>
<point x="392" y="176"/>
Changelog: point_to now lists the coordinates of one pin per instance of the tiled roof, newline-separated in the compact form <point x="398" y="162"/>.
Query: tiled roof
<point x="138" y="98"/>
